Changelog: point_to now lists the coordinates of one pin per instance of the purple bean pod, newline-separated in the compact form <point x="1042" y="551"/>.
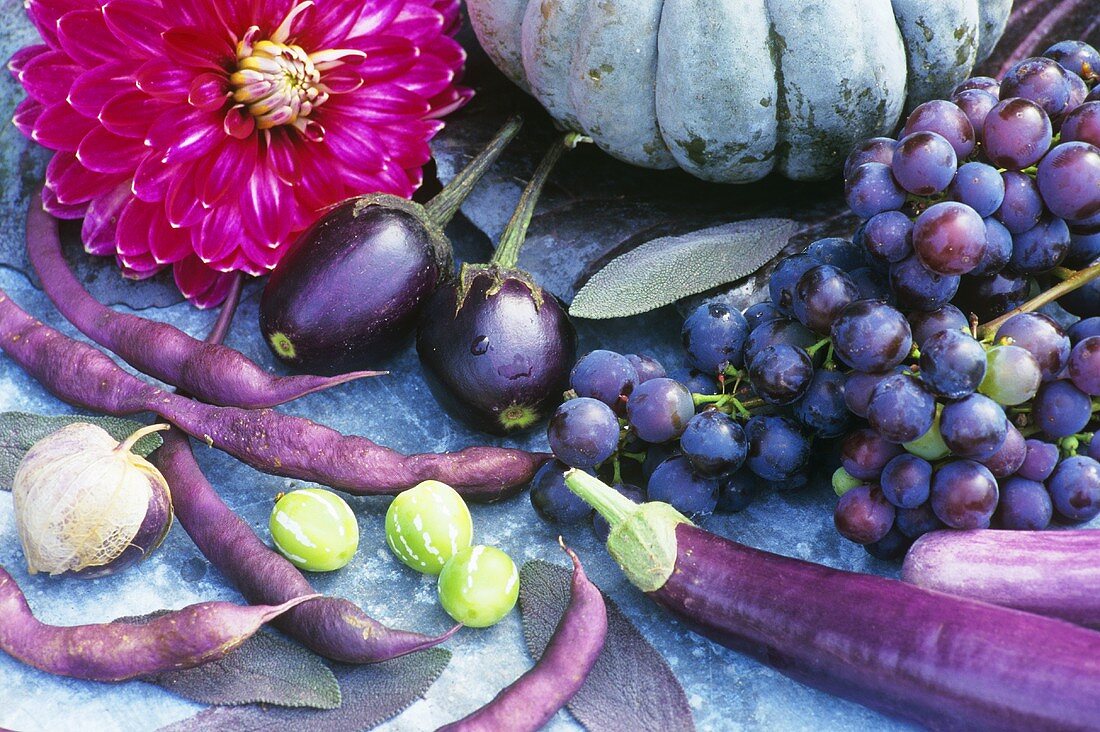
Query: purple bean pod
<point x="942" y="661"/>
<point x="185" y="638"/>
<point x="530" y="701"/>
<point x="1055" y="573"/>
<point x="330" y="626"/>
<point x="267" y="440"/>
<point x="210" y="372"/>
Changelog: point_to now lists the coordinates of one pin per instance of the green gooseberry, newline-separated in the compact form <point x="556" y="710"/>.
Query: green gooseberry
<point x="479" y="586"/>
<point x="315" y="529"/>
<point x="427" y="525"/>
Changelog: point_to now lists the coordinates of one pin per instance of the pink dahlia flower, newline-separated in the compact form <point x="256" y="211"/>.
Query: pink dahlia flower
<point x="204" y="134"/>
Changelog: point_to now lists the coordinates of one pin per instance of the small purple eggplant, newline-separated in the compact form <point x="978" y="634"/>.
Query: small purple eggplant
<point x="495" y="346"/>
<point x="353" y="284"/>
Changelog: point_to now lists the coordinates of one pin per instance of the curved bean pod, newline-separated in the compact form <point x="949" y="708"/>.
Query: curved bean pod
<point x="330" y="626"/>
<point x="211" y="372"/>
<point x="185" y="638"/>
<point x="267" y="440"/>
<point x="530" y="701"/>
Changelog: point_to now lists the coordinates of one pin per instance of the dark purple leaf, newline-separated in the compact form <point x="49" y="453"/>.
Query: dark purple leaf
<point x="630" y="687"/>
<point x="372" y="693"/>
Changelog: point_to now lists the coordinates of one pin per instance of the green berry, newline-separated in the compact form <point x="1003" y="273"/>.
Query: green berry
<point x="844" y="482"/>
<point x="315" y="529"/>
<point x="479" y="586"/>
<point x="427" y="525"/>
<point x="930" y="445"/>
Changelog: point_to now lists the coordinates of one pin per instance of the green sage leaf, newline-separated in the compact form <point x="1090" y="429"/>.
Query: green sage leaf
<point x="20" y="430"/>
<point x="266" y="669"/>
<point x="631" y="687"/>
<point x="665" y="269"/>
<point x="372" y="693"/>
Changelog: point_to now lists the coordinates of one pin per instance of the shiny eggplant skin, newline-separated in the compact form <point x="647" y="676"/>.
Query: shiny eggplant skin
<point x="353" y="286"/>
<point x="496" y="349"/>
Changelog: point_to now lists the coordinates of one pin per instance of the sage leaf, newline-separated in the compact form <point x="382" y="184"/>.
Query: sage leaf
<point x="266" y="669"/>
<point x="665" y="269"/>
<point x="630" y="687"/>
<point x="20" y="430"/>
<point x="372" y="693"/>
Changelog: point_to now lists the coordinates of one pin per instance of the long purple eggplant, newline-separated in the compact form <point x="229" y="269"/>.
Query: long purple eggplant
<point x="1055" y="573"/>
<point x="942" y="661"/>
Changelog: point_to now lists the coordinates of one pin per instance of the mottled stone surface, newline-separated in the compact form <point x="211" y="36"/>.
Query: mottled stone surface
<point x="726" y="690"/>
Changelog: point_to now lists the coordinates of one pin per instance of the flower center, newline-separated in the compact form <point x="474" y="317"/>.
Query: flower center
<point x="277" y="82"/>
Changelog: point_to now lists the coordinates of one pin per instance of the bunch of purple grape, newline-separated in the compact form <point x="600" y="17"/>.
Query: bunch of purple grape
<point x="983" y="192"/>
<point x="865" y="354"/>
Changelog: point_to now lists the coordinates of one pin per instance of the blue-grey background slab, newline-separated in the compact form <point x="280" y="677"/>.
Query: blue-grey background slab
<point x="726" y="690"/>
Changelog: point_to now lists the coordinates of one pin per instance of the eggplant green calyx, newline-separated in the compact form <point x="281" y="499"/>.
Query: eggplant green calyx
<point x="515" y="233"/>
<point x="643" y="536"/>
<point x="498" y="276"/>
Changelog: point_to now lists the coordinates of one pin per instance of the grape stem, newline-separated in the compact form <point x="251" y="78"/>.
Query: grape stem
<point x="818" y="346"/>
<point x="1078" y="279"/>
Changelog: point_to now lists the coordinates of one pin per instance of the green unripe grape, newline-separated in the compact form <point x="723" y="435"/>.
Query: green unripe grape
<point x="1012" y="375"/>
<point x="427" y="525"/>
<point x="479" y="586"/>
<point x="930" y="445"/>
<point x="844" y="482"/>
<point x="315" y="529"/>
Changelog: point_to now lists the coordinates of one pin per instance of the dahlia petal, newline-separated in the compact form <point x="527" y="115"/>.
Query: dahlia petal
<point x="152" y="177"/>
<point x="136" y="24"/>
<point x="208" y="92"/>
<point x="175" y="125"/>
<point x="321" y="183"/>
<point x="447" y="50"/>
<point x="168" y="244"/>
<point x="61" y="210"/>
<point x="73" y="184"/>
<point x="201" y="50"/>
<point x="282" y="154"/>
<point x="182" y="203"/>
<point x="48" y="76"/>
<point x="104" y="152"/>
<point x="389" y="103"/>
<point x="60" y="127"/>
<point x="262" y="205"/>
<point x="263" y="257"/>
<point x="356" y="143"/>
<point x="217" y="237"/>
<point x="238" y="122"/>
<point x="92" y="90"/>
<point x="387" y="57"/>
<point x="131" y="113"/>
<point x="164" y="80"/>
<point x="203" y="286"/>
<point x="331" y="22"/>
<point x="84" y="34"/>
<point x="101" y="221"/>
<point x="20" y="58"/>
<point x="194" y="142"/>
<point x="449" y="100"/>
<point x="132" y="232"/>
<point x="377" y="16"/>
<point x="138" y="266"/>
<point x="429" y="77"/>
<point x="342" y="81"/>
<point x="45" y="14"/>
<point x="26" y="114"/>
<point x="407" y="147"/>
<point x="234" y="161"/>
<point x="418" y="23"/>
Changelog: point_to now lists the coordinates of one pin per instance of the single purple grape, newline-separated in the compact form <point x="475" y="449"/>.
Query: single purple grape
<point x="889" y="235"/>
<point x="916" y="522"/>
<point x="714" y="337"/>
<point x="976" y="104"/>
<point x="762" y="312"/>
<point x="1084" y="365"/>
<point x="659" y="409"/>
<point x="973" y="427"/>
<point x="1069" y="180"/>
<point x="1075" y="488"/>
<point x="646" y="367"/>
<point x="1041" y="248"/>
<point x="1041" y="80"/>
<point x="1060" y="409"/>
<point x="820" y="294"/>
<point x="872" y="285"/>
<point x="777" y="448"/>
<point x="952" y="363"/>
<point x="737" y="492"/>
<point x="906" y="481"/>
<point x="1077" y="57"/>
<point x="552" y="499"/>
<point x="873" y="150"/>
<point x="949" y="237"/>
<point x="1083" y="124"/>
<point x="871" y="189"/>
<point x="1009" y="456"/>
<point x="890" y="547"/>
<point x="1024" y="505"/>
<point x="901" y="408"/>
<point x="822" y="410"/>
<point x="714" y="443"/>
<point x="927" y="324"/>
<point x="605" y="376"/>
<point x="675" y="483"/>
<point x="997" y="251"/>
<point x="1039" y="461"/>
<point x="863" y="515"/>
<point x="783" y="280"/>
<point x="990" y="297"/>
<point x="946" y="120"/>
<point x="964" y="494"/>
<point x="979" y="186"/>
<point x="871" y="336"/>
<point x="840" y="253"/>
<point x="982" y="83"/>
<point x="1016" y="134"/>
<point x="1084" y="328"/>
<point x="919" y="288"/>
<point x="864" y="453"/>
<point x="583" y="432"/>
<point x="924" y="163"/>
<point x="1022" y="205"/>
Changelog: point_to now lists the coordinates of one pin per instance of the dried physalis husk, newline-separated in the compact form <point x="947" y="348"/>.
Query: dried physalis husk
<point x="86" y="505"/>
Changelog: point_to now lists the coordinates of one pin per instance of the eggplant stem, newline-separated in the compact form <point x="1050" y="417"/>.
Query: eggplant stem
<point x="443" y="207"/>
<point x="1078" y="279"/>
<point x="515" y="233"/>
<point x="612" y="505"/>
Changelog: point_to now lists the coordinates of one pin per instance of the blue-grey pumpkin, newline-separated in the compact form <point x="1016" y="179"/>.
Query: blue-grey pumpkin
<point x="731" y="90"/>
